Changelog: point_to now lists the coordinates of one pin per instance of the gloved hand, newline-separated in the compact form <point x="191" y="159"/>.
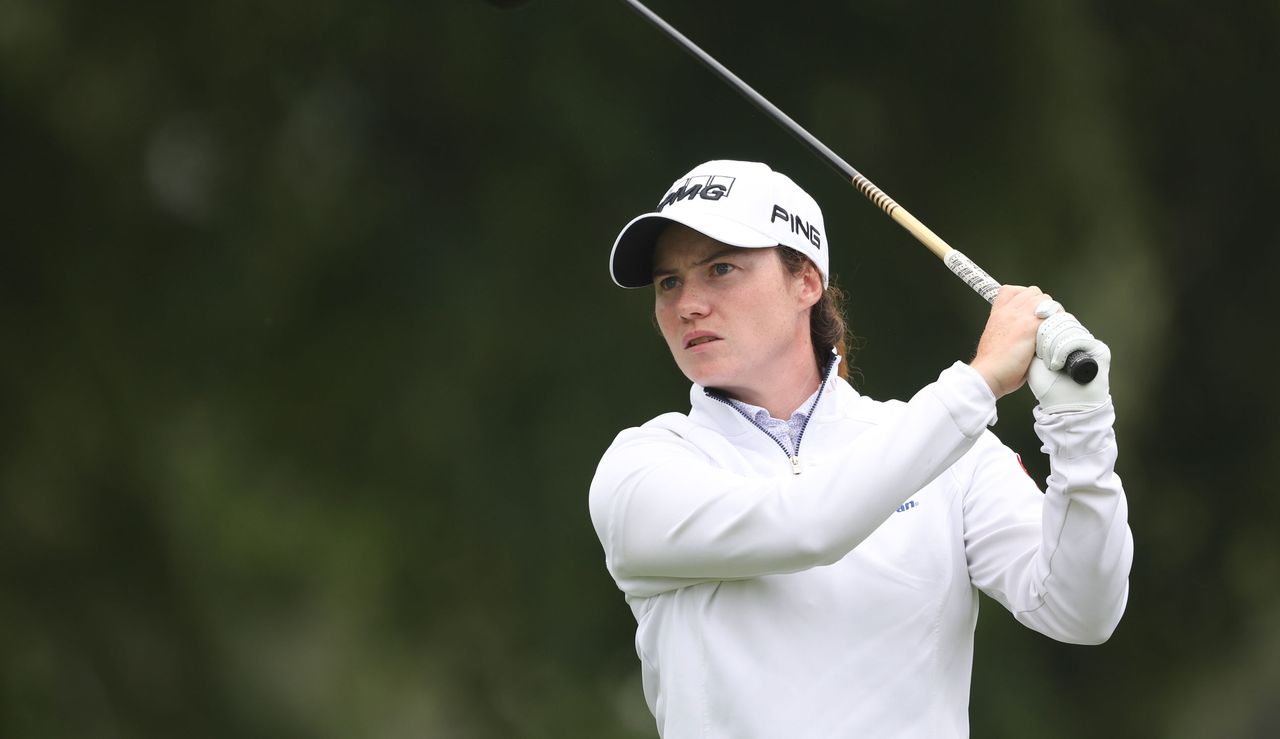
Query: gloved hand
<point x="1055" y="389"/>
<point x="1059" y="335"/>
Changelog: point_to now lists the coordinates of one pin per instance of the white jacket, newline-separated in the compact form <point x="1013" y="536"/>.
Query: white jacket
<point x="841" y="602"/>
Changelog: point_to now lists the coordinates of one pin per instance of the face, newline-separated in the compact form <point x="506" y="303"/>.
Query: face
<point x="734" y="319"/>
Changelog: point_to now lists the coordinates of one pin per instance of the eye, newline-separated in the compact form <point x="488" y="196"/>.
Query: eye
<point x="668" y="283"/>
<point x="720" y="269"/>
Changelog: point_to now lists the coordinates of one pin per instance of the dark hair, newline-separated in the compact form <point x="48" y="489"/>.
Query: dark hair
<point x="827" y="327"/>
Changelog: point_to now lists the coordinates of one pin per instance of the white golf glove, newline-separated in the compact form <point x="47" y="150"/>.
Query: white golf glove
<point x="1059" y="336"/>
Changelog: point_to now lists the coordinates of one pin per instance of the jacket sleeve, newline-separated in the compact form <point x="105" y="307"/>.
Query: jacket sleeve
<point x="1058" y="561"/>
<point x="667" y="516"/>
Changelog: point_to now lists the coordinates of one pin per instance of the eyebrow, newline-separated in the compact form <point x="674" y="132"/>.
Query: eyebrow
<point x="717" y="254"/>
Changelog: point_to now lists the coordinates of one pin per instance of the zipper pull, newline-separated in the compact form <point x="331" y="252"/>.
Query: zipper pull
<point x="795" y="465"/>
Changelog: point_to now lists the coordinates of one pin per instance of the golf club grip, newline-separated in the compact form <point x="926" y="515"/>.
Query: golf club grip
<point x="1081" y="367"/>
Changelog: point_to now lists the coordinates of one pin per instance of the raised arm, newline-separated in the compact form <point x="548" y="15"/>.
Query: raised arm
<point x="1058" y="561"/>
<point x="667" y="515"/>
<point x="1060" y="564"/>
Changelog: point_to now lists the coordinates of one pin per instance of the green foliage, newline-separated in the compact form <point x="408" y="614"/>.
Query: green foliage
<point x="310" y="348"/>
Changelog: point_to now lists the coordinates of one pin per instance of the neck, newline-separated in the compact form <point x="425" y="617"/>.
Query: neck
<point x="781" y="392"/>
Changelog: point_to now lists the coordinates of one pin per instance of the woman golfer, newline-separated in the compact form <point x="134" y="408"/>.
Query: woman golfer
<point x="802" y="560"/>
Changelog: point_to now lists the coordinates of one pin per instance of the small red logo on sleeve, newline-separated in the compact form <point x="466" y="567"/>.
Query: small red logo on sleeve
<point x="1026" y="472"/>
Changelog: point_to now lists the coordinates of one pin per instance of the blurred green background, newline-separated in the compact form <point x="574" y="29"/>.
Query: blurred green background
<point x="310" y="350"/>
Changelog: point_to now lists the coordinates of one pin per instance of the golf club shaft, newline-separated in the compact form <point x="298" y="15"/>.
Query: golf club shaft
<point x="1079" y="365"/>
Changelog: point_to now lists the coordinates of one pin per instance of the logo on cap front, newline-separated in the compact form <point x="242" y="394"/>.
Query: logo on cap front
<point x="705" y="187"/>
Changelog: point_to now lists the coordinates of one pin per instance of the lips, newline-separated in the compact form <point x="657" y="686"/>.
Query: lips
<point x="698" y="338"/>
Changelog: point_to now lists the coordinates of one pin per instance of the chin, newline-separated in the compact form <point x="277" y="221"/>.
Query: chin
<point x="709" y="375"/>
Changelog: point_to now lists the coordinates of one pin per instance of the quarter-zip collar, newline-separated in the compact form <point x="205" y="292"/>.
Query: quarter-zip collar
<point x="759" y="418"/>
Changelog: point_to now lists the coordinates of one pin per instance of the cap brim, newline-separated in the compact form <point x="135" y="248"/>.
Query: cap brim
<point x="631" y="262"/>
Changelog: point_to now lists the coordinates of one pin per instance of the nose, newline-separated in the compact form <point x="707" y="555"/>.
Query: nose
<point x="692" y="303"/>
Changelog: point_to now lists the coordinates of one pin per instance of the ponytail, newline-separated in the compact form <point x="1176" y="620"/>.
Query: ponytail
<point x="827" y="328"/>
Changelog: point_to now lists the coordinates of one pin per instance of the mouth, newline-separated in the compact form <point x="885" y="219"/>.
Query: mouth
<point x="700" y="340"/>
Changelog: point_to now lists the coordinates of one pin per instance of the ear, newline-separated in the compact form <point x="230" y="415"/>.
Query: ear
<point x="810" y="287"/>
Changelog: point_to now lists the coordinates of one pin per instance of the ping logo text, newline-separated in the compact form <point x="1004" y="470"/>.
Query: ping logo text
<point x="798" y="225"/>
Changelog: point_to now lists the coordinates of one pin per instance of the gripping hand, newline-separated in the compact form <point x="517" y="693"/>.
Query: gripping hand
<point x="1059" y="335"/>
<point x="1056" y="391"/>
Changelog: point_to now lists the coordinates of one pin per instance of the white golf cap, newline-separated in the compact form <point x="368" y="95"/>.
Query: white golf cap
<point x="742" y="204"/>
